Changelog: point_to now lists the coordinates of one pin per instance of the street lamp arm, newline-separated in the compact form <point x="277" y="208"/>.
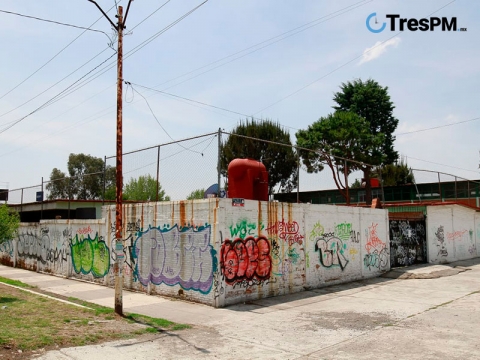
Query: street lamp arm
<point x="104" y="14"/>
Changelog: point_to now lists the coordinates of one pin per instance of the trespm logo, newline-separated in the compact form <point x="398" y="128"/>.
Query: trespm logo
<point x="401" y="24"/>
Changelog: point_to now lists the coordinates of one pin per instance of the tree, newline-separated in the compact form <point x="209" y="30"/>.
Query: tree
<point x="395" y="174"/>
<point x="334" y="140"/>
<point x="144" y="189"/>
<point x="280" y="161"/>
<point x="196" y="194"/>
<point x="371" y="101"/>
<point x="9" y="222"/>
<point x="85" y="180"/>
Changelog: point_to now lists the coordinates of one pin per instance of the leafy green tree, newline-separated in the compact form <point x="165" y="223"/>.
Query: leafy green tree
<point x="342" y="141"/>
<point x="196" y="194"/>
<point x="84" y="181"/>
<point x="9" y="222"/>
<point x="144" y="189"/>
<point x="372" y="102"/>
<point x="110" y="183"/>
<point x="394" y="174"/>
<point x="356" y="184"/>
<point x="280" y="161"/>
<point x="58" y="185"/>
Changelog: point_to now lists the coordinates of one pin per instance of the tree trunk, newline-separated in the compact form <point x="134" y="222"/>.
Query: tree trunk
<point x="368" y="186"/>
<point x="347" y="192"/>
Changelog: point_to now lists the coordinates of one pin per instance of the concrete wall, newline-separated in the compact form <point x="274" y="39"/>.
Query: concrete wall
<point x="211" y="251"/>
<point x="453" y="233"/>
<point x="55" y="246"/>
<point x="270" y="248"/>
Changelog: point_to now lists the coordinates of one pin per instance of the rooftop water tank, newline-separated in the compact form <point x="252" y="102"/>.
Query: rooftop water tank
<point x="247" y="179"/>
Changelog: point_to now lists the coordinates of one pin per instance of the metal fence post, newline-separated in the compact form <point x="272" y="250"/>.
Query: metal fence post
<point x="21" y="203"/>
<point x="158" y="173"/>
<point x="41" y="209"/>
<point x="298" y="176"/>
<point x="219" y="159"/>
<point x="104" y="178"/>
<point x="439" y="186"/>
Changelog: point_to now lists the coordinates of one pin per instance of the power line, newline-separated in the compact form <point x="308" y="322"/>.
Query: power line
<point x="341" y="66"/>
<point x="44" y="91"/>
<point x="302" y="27"/>
<point x="435" y="163"/>
<point x="154" y="12"/>
<point x="156" y="35"/>
<point x="158" y="122"/>
<point x="53" y="99"/>
<point x="190" y="101"/>
<point x="55" y="22"/>
<point x="131" y="52"/>
<point x="65" y="92"/>
<point x="51" y="59"/>
<point x="438" y="127"/>
<point x="138" y="47"/>
<point x="268" y="43"/>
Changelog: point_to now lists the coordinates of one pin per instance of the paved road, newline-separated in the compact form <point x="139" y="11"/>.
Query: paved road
<point x="434" y="314"/>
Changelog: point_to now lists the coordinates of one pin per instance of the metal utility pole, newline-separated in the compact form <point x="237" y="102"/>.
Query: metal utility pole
<point x="117" y="267"/>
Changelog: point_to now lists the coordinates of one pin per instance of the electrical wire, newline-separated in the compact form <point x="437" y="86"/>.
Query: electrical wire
<point x="50" y="87"/>
<point x="154" y="12"/>
<point x="339" y="67"/>
<point x="435" y="163"/>
<point x="111" y="65"/>
<point x="269" y="42"/>
<point x="55" y="22"/>
<point x="190" y="101"/>
<point x="52" y="100"/>
<point x="438" y="127"/>
<point x="51" y="59"/>
<point x="158" y="122"/>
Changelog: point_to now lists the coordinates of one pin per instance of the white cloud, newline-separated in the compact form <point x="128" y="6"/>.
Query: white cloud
<point x="378" y="49"/>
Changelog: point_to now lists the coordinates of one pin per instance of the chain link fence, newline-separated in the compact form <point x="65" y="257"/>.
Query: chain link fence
<point x="188" y="168"/>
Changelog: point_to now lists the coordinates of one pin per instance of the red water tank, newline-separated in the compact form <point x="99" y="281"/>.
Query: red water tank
<point x="247" y="179"/>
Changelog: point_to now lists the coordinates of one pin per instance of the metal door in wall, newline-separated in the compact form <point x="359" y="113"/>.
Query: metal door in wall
<point x="408" y="241"/>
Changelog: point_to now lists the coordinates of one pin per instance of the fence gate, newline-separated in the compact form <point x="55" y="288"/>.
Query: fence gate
<point x="408" y="239"/>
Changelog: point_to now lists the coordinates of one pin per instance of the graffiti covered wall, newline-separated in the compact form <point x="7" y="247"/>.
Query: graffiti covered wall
<point x="211" y="251"/>
<point x="453" y="233"/>
<point x="271" y="249"/>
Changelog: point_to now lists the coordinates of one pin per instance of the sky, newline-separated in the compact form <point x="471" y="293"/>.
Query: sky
<point x="281" y="60"/>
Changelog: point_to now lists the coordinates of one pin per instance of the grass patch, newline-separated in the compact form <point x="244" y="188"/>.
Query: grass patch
<point x="30" y="322"/>
<point x="15" y="283"/>
<point x="155" y="322"/>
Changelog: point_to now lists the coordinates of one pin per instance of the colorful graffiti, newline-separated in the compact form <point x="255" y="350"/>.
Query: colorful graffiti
<point x="317" y="230"/>
<point x="175" y="256"/>
<point x="332" y="252"/>
<point x="90" y="256"/>
<point x="344" y="231"/>
<point x="85" y="230"/>
<point x="332" y="245"/>
<point x="287" y="231"/>
<point x="245" y="260"/>
<point x="45" y="247"/>
<point x="244" y="228"/>
<point x="377" y="252"/>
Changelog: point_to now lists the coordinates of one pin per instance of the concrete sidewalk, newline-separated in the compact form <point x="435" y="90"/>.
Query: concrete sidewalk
<point x="429" y="318"/>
